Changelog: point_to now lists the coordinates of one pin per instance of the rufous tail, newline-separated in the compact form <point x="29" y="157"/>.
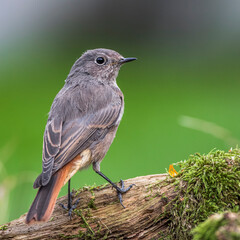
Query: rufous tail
<point x="44" y="202"/>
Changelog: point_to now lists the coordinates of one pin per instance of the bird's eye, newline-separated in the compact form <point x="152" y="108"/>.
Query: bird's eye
<point x="100" y="60"/>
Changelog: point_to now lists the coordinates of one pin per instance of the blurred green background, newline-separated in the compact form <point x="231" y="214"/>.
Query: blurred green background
<point x="181" y="96"/>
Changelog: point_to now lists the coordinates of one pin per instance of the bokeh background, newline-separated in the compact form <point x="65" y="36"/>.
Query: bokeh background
<point x="182" y="95"/>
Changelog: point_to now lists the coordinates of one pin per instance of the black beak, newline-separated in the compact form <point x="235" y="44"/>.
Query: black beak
<point x="124" y="60"/>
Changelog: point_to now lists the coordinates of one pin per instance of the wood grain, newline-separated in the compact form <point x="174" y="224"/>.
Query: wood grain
<point x="99" y="214"/>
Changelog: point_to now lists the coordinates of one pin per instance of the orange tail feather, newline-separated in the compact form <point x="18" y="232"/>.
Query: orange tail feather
<point x="44" y="202"/>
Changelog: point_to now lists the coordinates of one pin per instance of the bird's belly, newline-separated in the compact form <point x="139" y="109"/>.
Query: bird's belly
<point x="81" y="161"/>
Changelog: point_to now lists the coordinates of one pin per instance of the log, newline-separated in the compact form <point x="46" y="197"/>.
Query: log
<point x="99" y="215"/>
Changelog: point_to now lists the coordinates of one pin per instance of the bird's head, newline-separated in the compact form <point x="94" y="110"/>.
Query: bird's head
<point x="102" y="64"/>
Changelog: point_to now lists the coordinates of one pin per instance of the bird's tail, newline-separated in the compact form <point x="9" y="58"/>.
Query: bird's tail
<point x="44" y="202"/>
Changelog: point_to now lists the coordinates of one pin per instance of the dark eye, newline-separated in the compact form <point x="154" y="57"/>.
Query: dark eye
<point x="100" y="60"/>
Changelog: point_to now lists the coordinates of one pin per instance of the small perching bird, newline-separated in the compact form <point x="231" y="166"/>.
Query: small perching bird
<point x="81" y="126"/>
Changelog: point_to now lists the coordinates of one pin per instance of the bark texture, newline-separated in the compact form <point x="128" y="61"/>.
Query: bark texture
<point x="99" y="215"/>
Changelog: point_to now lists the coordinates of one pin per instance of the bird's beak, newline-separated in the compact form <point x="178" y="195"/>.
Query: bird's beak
<point x="124" y="60"/>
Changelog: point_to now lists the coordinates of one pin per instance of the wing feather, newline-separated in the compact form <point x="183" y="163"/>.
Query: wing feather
<point x="51" y="146"/>
<point x="83" y="133"/>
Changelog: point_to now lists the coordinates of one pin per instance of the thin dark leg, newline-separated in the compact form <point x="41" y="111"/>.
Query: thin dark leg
<point x="121" y="190"/>
<point x="70" y="207"/>
<point x="69" y="194"/>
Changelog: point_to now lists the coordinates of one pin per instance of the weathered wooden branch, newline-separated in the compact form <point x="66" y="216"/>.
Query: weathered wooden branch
<point x="99" y="214"/>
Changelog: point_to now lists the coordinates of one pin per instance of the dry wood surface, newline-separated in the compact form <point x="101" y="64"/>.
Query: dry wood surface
<point x="99" y="215"/>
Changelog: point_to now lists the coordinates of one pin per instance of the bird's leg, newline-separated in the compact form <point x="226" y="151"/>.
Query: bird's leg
<point x="70" y="207"/>
<point x="121" y="190"/>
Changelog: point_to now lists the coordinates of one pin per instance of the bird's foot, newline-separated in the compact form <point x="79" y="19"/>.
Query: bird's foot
<point x="122" y="190"/>
<point x="70" y="207"/>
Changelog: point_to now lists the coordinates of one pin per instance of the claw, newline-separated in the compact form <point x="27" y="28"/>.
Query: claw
<point x="122" y="190"/>
<point x="120" y="198"/>
<point x="76" y="203"/>
<point x="63" y="206"/>
<point x="70" y="207"/>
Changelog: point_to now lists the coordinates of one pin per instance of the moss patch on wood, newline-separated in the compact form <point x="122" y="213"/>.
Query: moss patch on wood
<point x="206" y="184"/>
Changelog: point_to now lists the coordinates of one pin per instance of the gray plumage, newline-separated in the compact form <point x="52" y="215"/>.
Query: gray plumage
<point x="85" y="114"/>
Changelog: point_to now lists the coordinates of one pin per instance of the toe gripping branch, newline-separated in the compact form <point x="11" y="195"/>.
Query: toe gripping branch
<point x="120" y="190"/>
<point x="70" y="207"/>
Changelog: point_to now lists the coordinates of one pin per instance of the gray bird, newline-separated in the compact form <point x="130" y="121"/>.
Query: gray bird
<point x="81" y="126"/>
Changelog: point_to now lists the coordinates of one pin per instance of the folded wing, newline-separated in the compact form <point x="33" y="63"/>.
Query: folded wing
<point x="64" y="141"/>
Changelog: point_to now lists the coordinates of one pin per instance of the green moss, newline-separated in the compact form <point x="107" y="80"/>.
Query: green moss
<point x="91" y="203"/>
<point x="205" y="185"/>
<point x="85" y="223"/>
<point x="207" y="229"/>
<point x="3" y="227"/>
<point x="88" y="234"/>
<point x="219" y="226"/>
<point x="90" y="188"/>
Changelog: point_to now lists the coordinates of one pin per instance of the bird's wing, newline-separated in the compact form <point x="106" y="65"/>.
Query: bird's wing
<point x="65" y="140"/>
<point x="80" y="134"/>
<point x="51" y="147"/>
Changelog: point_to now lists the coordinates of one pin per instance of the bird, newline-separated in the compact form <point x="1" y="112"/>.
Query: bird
<point x="81" y="126"/>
